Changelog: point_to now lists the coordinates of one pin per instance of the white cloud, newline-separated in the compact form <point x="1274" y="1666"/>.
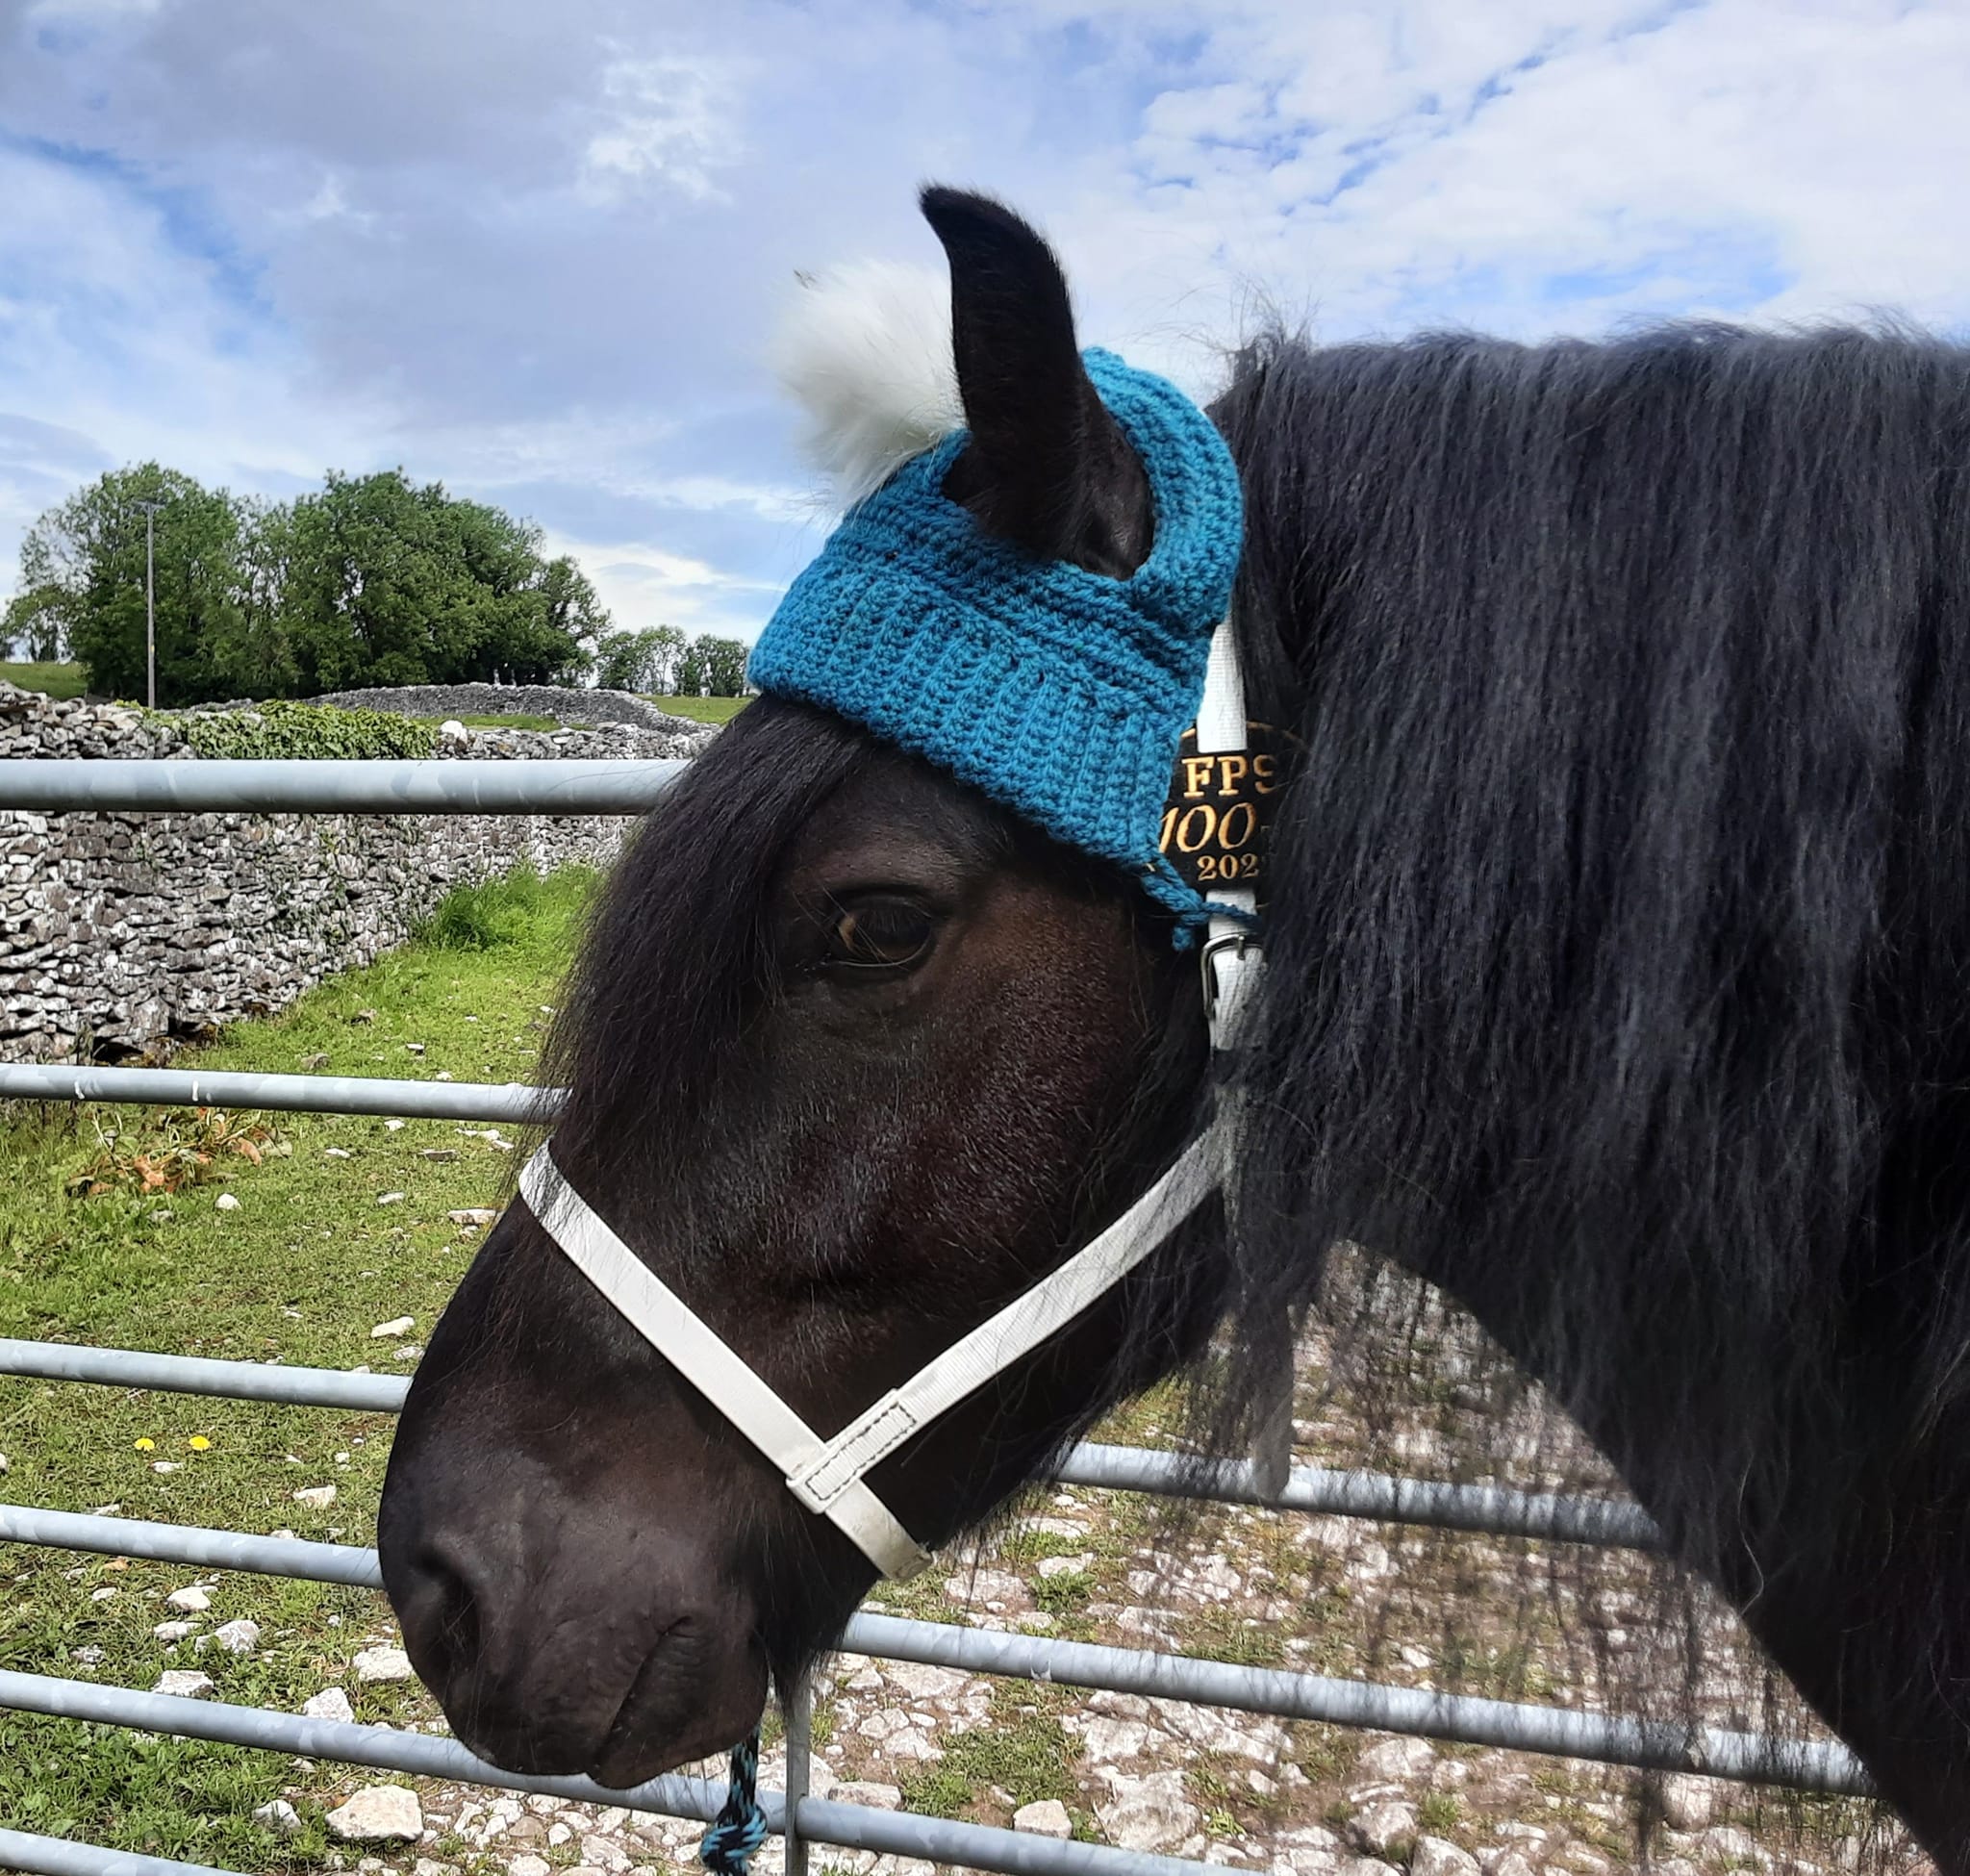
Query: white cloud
<point x="534" y="252"/>
<point x="668" y="121"/>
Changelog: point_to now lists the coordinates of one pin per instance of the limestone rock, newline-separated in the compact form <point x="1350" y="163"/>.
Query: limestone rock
<point x="389" y="1331"/>
<point x="193" y="1599"/>
<point x="279" y="1816"/>
<point x="1106" y="1740"/>
<point x="1688" y="1804"/>
<point x="378" y="1813"/>
<point x="184" y="1683"/>
<point x="1436" y="1856"/>
<point x="240" y="1637"/>
<point x="863" y="1791"/>
<point x="1147" y="1813"/>
<point x="1396" y="1759"/>
<point x="329" y="1704"/>
<point x="1046" y="1817"/>
<point x="383" y="1664"/>
<point x="1381" y="1825"/>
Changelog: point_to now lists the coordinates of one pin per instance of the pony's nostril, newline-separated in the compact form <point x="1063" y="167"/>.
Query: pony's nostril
<point x="447" y="1609"/>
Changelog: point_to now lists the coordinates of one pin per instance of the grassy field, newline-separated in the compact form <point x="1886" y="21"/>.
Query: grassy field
<point x="56" y="680"/>
<point x="317" y="1253"/>
<point x="702" y="709"/>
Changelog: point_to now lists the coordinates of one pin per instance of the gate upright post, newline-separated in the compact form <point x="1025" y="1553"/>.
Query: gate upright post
<point x="799" y="1750"/>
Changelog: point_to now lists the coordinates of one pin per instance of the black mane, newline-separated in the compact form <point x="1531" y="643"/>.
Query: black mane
<point x="1621" y="933"/>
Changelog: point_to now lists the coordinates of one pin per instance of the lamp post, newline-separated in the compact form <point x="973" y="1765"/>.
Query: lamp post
<point x="150" y="603"/>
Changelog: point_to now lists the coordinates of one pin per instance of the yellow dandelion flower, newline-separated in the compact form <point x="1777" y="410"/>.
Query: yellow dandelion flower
<point x="146" y="1446"/>
<point x="198" y="1443"/>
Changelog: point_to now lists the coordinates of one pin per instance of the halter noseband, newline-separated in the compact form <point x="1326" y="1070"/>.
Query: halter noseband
<point x="829" y="1476"/>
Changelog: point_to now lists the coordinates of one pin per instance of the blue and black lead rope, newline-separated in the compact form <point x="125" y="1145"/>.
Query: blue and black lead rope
<point x="740" y="1827"/>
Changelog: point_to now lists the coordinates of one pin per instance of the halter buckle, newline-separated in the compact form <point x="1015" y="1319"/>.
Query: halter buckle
<point x="1230" y="962"/>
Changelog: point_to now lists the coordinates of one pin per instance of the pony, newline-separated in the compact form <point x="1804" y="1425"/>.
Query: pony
<point x="1618" y="985"/>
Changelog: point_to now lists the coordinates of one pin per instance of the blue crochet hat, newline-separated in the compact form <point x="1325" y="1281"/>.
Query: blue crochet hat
<point x="1059" y="693"/>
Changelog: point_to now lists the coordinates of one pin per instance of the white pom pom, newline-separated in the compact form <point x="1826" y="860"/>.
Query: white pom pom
<point x="866" y="351"/>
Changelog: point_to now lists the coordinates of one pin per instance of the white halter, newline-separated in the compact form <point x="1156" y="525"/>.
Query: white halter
<point x="829" y="1476"/>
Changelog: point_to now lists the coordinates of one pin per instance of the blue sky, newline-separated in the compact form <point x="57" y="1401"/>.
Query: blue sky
<point x="535" y="250"/>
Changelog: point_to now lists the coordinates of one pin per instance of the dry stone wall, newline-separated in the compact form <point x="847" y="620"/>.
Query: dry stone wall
<point x="565" y="705"/>
<point x="122" y="933"/>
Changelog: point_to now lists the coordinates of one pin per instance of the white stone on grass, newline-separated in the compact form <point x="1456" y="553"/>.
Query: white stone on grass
<point x="320" y="1497"/>
<point x="173" y="1630"/>
<point x="1436" y="1856"/>
<point x="389" y="1198"/>
<point x="1065" y="1566"/>
<point x="1509" y="1862"/>
<point x="381" y="1664"/>
<point x="378" y="1813"/>
<point x="225" y="1202"/>
<point x="278" y="1816"/>
<point x="1398" y="1758"/>
<point x="1106" y="1740"/>
<point x="329" y="1704"/>
<point x="238" y="1637"/>
<point x="184" y="1684"/>
<point x="389" y="1331"/>
<point x="924" y="1681"/>
<point x="1147" y="1813"/>
<point x="1381" y="1825"/>
<point x="193" y="1599"/>
<point x="1046" y="1817"/>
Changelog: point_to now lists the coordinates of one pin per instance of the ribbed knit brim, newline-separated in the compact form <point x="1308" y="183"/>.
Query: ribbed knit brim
<point x="1059" y="693"/>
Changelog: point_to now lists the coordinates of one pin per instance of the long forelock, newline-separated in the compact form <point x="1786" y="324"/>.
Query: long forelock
<point x="676" y="948"/>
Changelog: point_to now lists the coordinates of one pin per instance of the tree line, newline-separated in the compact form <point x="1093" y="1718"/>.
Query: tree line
<point x="372" y="581"/>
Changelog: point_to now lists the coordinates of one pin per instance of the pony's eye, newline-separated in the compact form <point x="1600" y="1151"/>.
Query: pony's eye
<point x="878" y="934"/>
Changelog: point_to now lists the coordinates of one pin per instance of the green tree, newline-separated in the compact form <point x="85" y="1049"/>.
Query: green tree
<point x="647" y="660"/>
<point x="83" y="587"/>
<point x="388" y="583"/>
<point x="724" y="666"/>
<point x="690" y="671"/>
<point x="35" y="623"/>
<point x="372" y="581"/>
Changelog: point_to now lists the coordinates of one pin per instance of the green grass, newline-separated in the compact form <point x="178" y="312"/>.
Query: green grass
<point x="300" y="1272"/>
<point x="701" y="709"/>
<point x="52" y="679"/>
<point x="1025" y="1752"/>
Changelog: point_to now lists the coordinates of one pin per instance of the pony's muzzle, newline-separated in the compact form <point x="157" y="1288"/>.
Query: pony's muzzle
<point x="559" y="1641"/>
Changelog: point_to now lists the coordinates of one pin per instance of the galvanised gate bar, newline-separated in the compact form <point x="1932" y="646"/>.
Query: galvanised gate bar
<point x="602" y="787"/>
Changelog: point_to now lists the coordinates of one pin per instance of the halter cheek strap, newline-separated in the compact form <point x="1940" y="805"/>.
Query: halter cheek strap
<point x="829" y="1476"/>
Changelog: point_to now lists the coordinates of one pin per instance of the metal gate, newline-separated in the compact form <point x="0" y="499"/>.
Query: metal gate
<point x="615" y="787"/>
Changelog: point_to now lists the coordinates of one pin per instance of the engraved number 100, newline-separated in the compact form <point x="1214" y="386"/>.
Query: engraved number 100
<point x="1193" y="828"/>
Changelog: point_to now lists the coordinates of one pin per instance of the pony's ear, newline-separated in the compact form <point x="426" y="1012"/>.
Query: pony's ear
<point x="1045" y="456"/>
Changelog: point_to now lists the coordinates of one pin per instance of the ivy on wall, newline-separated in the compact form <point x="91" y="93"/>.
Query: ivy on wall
<point x="321" y="731"/>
